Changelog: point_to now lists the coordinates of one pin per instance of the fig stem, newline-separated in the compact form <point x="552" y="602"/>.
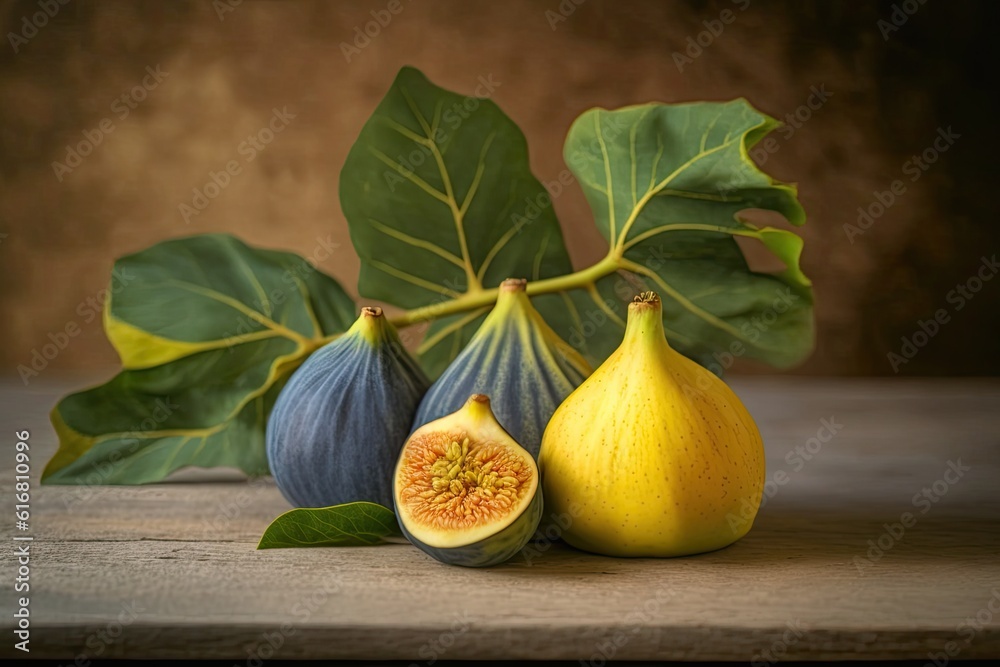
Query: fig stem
<point x="486" y="297"/>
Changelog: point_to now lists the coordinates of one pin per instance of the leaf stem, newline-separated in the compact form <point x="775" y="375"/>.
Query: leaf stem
<point x="487" y="297"/>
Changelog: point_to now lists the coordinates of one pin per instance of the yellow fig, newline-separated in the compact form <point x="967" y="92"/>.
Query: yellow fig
<point x="652" y="455"/>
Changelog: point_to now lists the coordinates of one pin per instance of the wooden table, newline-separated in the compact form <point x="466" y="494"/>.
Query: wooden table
<point x="170" y="570"/>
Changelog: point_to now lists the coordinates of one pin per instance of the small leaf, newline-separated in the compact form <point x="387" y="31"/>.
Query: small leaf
<point x="208" y="329"/>
<point x="668" y="185"/>
<point x="350" y="525"/>
<point x="441" y="202"/>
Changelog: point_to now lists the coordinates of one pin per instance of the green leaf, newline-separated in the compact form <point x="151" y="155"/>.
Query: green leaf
<point x="208" y="329"/>
<point x="441" y="203"/>
<point x="350" y="525"/>
<point x="667" y="185"/>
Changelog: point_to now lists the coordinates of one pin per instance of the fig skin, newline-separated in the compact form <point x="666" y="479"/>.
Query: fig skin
<point x="517" y="360"/>
<point x="472" y="544"/>
<point x="338" y="424"/>
<point x="653" y="455"/>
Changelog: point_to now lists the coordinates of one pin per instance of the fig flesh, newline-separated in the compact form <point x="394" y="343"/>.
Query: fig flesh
<point x="335" y="431"/>
<point x="653" y="455"/>
<point x="465" y="492"/>
<point x="517" y="360"/>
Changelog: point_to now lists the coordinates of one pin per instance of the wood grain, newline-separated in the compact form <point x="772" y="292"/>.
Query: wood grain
<point x="170" y="570"/>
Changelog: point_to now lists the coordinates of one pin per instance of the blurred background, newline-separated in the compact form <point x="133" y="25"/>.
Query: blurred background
<point x="165" y="92"/>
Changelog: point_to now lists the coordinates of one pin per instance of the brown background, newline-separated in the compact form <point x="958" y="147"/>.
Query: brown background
<point x="226" y="74"/>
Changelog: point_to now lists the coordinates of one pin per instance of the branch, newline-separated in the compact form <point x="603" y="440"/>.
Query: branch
<point x="481" y="298"/>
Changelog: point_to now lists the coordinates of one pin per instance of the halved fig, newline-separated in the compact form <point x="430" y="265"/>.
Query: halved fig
<point x="465" y="491"/>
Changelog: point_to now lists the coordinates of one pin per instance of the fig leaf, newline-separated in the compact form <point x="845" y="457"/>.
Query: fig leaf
<point x="208" y="329"/>
<point x="668" y="186"/>
<point x="441" y="202"/>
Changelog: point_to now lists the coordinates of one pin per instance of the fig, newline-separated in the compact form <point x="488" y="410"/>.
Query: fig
<point x="516" y="359"/>
<point x="653" y="455"/>
<point x="465" y="492"/>
<point x="337" y="426"/>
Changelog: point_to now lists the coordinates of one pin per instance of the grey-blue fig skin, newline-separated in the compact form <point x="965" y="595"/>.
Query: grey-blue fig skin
<point x="493" y="550"/>
<point x="337" y="427"/>
<point x="512" y="362"/>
